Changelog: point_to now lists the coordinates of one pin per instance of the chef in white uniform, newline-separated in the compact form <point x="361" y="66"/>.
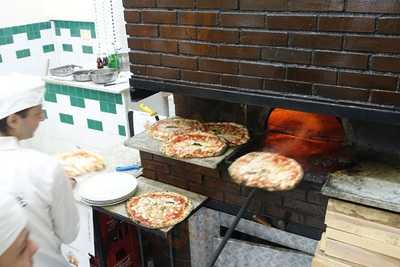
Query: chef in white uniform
<point x="34" y="178"/>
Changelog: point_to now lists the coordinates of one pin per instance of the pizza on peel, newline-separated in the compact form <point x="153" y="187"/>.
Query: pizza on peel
<point x="164" y="129"/>
<point x="79" y="162"/>
<point x="234" y="134"/>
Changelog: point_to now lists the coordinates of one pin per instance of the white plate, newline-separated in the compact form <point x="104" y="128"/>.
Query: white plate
<point x="107" y="187"/>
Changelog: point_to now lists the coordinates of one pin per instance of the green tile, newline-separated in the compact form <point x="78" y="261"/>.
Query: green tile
<point x="66" y="118"/>
<point x="93" y="33"/>
<point x="87" y="49"/>
<point x="67" y="47"/>
<point x="45" y="114"/>
<point x="95" y="125"/>
<point x="1" y="59"/>
<point x="79" y="92"/>
<point x="34" y="35"/>
<point x="23" y="53"/>
<point x="58" y="31"/>
<point x="8" y="31"/>
<point x="118" y="99"/>
<point x="50" y="97"/>
<point x="108" y="107"/>
<point x="48" y="48"/>
<point x="77" y="102"/>
<point x="75" y="32"/>
<point x="93" y="94"/>
<point x="4" y="40"/>
<point x="121" y="130"/>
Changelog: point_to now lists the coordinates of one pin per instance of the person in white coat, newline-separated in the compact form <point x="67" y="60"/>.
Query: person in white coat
<point x="16" y="247"/>
<point x="36" y="179"/>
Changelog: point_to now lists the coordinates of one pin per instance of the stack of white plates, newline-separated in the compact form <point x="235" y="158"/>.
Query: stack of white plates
<point x="106" y="189"/>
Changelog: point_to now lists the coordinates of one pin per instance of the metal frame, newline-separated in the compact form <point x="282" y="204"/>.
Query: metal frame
<point x="348" y="109"/>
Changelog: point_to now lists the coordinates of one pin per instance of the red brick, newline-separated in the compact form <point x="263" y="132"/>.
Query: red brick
<point x="138" y="69"/>
<point x="372" y="44"/>
<point x="162" y="72"/>
<point x="346" y="24"/>
<point x="144" y="58"/>
<point x="179" y="62"/>
<point x="194" y="177"/>
<point x="341" y="92"/>
<point x="202" y="77"/>
<point x="153" y="45"/>
<point x="151" y="174"/>
<point x="242" y="20"/>
<point x="316" y="5"/>
<point x="315" y="41"/>
<point x="286" y="55"/>
<point x="288" y="87"/>
<point x="262" y="70"/>
<point x="156" y="166"/>
<point x="241" y="52"/>
<point x="304" y="207"/>
<point x="212" y="182"/>
<point x="217" y="4"/>
<point x="315" y="221"/>
<point x="242" y="82"/>
<point x="175" y="181"/>
<point x="221" y="66"/>
<point x="142" y="30"/>
<point x="295" y="217"/>
<point x="385" y="98"/>
<point x="340" y="60"/>
<point x="131" y="16"/>
<point x="297" y="193"/>
<point x="270" y="5"/>
<point x="367" y="80"/>
<point x="197" y="49"/>
<point x="288" y="22"/>
<point x="197" y="18"/>
<point x="176" y="32"/>
<point x="234" y="199"/>
<point x="139" y="3"/>
<point x="159" y="17"/>
<point x="317" y="197"/>
<point x="210" y="192"/>
<point x="145" y="155"/>
<point x="274" y="211"/>
<point x="312" y="75"/>
<point x="373" y="6"/>
<point x="175" y="3"/>
<point x="385" y="63"/>
<point x="219" y="36"/>
<point x="263" y="38"/>
<point x="388" y="25"/>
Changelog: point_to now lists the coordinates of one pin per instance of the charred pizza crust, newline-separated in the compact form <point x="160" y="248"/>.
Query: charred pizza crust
<point x="234" y="134"/>
<point x="164" y="129"/>
<point x="269" y="171"/>
<point x="79" y="162"/>
<point x="158" y="209"/>
<point x="194" y="145"/>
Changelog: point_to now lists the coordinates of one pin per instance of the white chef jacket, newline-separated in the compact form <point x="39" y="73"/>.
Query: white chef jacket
<point x="38" y="182"/>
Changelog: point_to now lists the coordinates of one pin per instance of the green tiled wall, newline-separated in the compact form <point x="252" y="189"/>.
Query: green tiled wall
<point x="66" y="118"/>
<point x="1" y="59"/>
<point x="95" y="125"/>
<point x="23" y="53"/>
<point x="75" y="27"/>
<point x="32" y="31"/>
<point x="67" y="47"/>
<point x="48" y="48"/>
<point x="87" y="49"/>
<point x="121" y="130"/>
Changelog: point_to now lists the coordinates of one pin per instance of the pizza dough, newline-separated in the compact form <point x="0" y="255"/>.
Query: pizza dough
<point x="268" y="171"/>
<point x="233" y="133"/>
<point x="164" y="129"/>
<point x="194" y="145"/>
<point x="79" y="162"/>
<point x="158" y="209"/>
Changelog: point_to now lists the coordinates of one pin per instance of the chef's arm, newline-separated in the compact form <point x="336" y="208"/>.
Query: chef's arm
<point x="63" y="209"/>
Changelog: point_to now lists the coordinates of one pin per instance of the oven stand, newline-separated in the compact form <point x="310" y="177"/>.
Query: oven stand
<point x="232" y="228"/>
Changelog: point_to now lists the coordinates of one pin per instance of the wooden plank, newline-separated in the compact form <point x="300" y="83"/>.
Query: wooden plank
<point x="358" y="255"/>
<point x="322" y="260"/>
<point x="364" y="213"/>
<point x="372" y="230"/>
<point x="362" y="242"/>
<point x="322" y="243"/>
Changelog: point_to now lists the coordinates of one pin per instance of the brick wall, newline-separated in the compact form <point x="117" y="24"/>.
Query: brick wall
<point x="304" y="206"/>
<point x="337" y="49"/>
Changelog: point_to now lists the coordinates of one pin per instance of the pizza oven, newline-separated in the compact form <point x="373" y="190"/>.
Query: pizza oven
<point x="314" y="80"/>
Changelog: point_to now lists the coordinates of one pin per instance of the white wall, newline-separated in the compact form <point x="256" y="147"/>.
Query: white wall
<point x="74" y="10"/>
<point x="21" y="12"/>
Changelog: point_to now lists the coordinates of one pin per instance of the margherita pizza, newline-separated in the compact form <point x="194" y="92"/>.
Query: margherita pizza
<point x="194" y="145"/>
<point x="79" y="162"/>
<point x="158" y="209"/>
<point x="233" y="133"/>
<point x="269" y="171"/>
<point x="164" y="129"/>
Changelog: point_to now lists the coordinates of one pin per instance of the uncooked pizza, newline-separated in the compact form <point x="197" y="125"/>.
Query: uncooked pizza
<point x="79" y="162"/>
<point x="194" y="145"/>
<point x="269" y="171"/>
<point x="235" y="134"/>
<point x="164" y="129"/>
<point x="158" y="209"/>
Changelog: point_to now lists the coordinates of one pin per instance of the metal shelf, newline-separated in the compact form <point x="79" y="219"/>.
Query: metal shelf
<point x="347" y="109"/>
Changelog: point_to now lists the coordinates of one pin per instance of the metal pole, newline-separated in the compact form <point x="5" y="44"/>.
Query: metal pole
<point x="231" y="228"/>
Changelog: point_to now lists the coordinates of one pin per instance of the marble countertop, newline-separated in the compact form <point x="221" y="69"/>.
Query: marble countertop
<point x="144" y="142"/>
<point x="122" y="83"/>
<point x="369" y="183"/>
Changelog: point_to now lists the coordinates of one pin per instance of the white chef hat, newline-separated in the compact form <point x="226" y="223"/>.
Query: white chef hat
<point x="12" y="221"/>
<point x="19" y="92"/>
